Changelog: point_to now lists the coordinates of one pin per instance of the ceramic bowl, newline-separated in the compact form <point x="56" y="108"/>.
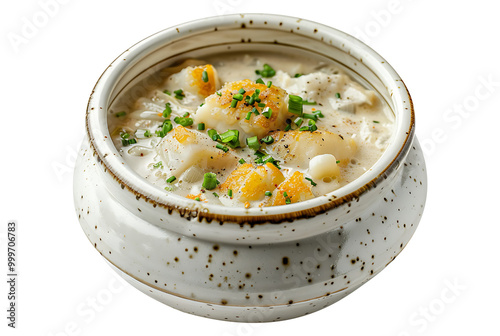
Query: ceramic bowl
<point x="258" y="264"/>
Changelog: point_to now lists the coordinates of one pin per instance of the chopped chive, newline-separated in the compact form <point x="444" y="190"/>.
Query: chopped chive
<point x="230" y="193"/>
<point x="124" y="135"/>
<point x="255" y="111"/>
<point x="167" y="111"/>
<point x="288" y="127"/>
<point x="285" y="194"/>
<point x="312" y="125"/>
<point x="298" y="121"/>
<point x="241" y="91"/>
<point x="197" y="199"/>
<point x="253" y="143"/>
<point x="259" y="81"/>
<point x="120" y="114"/>
<point x="269" y="84"/>
<point x="310" y="116"/>
<point x="267" y="140"/>
<point x="231" y="138"/>
<point x="132" y="141"/>
<point x="268" y="71"/>
<point x="251" y="100"/>
<point x="288" y="200"/>
<point x="124" y="142"/>
<point x="184" y="121"/>
<point x="147" y="134"/>
<point x="215" y="194"/>
<point x="204" y="76"/>
<point x="171" y="179"/>
<point x="261" y="105"/>
<point x="304" y="128"/>
<point x="259" y="154"/>
<point x="242" y="161"/>
<point x="297" y="75"/>
<point x="158" y="164"/>
<point x="209" y="181"/>
<point x="222" y="147"/>
<point x="376" y="121"/>
<point x="219" y="93"/>
<point x="337" y="95"/>
<point x="268" y="193"/>
<point x="201" y="127"/>
<point x="238" y="97"/>
<point x="305" y="102"/>
<point x="166" y="92"/>
<point x="164" y="128"/>
<point x="213" y="135"/>
<point x="267" y="112"/>
<point x="295" y="105"/>
<point x="312" y="182"/>
<point x="186" y="114"/>
<point x="249" y="114"/>
<point x="234" y="103"/>
<point x="337" y="162"/>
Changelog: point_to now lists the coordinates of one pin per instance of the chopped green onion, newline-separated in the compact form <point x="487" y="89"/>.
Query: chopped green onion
<point x="295" y="105"/>
<point x="219" y="93"/>
<point x="312" y="125"/>
<point x="165" y="128"/>
<point x="241" y="91"/>
<point x="249" y="114"/>
<point x="231" y="138"/>
<point x="242" y="161"/>
<point x="183" y="121"/>
<point x="337" y="95"/>
<point x="186" y="114"/>
<point x="312" y="182"/>
<point x="269" y="84"/>
<point x="251" y="100"/>
<point x="201" y="127"/>
<point x="268" y="193"/>
<point x="310" y="116"/>
<point x="259" y="81"/>
<point x="318" y="113"/>
<point x="230" y="193"/>
<point x="268" y="71"/>
<point x="376" y="121"/>
<point x="167" y="111"/>
<point x="259" y="154"/>
<point x="337" y="162"/>
<point x="288" y="127"/>
<point x="204" y="76"/>
<point x="179" y="94"/>
<point x="209" y="181"/>
<point x="253" y="143"/>
<point x="171" y="179"/>
<point x="142" y="134"/>
<point x="255" y="111"/>
<point x="166" y="92"/>
<point x="297" y="75"/>
<point x="222" y="147"/>
<point x="169" y="188"/>
<point x="261" y="105"/>
<point x="215" y="194"/>
<point x="132" y="141"/>
<point x="234" y="103"/>
<point x="120" y="114"/>
<point x="124" y="142"/>
<point x="197" y="199"/>
<point x="304" y="128"/>
<point x="285" y="194"/>
<point x="267" y="140"/>
<point x="298" y="121"/>
<point x="213" y="135"/>
<point x="158" y="164"/>
<point x="288" y="200"/>
<point x="124" y="135"/>
<point x="305" y="102"/>
<point x="267" y="112"/>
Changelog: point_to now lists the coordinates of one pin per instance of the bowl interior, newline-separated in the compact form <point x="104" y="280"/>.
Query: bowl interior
<point x="136" y="72"/>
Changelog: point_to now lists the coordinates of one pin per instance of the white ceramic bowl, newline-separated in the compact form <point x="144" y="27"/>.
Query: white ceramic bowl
<point x="258" y="264"/>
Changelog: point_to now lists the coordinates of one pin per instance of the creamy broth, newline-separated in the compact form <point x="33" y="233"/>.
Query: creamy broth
<point x="297" y="154"/>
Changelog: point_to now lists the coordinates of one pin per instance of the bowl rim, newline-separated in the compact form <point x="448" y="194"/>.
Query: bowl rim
<point x="102" y="145"/>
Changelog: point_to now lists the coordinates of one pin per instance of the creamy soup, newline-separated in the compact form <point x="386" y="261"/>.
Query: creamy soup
<point x="252" y="130"/>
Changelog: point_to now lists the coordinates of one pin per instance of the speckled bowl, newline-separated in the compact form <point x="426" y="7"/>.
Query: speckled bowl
<point x="248" y="264"/>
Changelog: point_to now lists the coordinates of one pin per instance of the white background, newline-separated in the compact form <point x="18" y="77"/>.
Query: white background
<point x="445" y="52"/>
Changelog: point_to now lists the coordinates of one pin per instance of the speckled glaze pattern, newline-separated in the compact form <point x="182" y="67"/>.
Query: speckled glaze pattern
<point x="249" y="267"/>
